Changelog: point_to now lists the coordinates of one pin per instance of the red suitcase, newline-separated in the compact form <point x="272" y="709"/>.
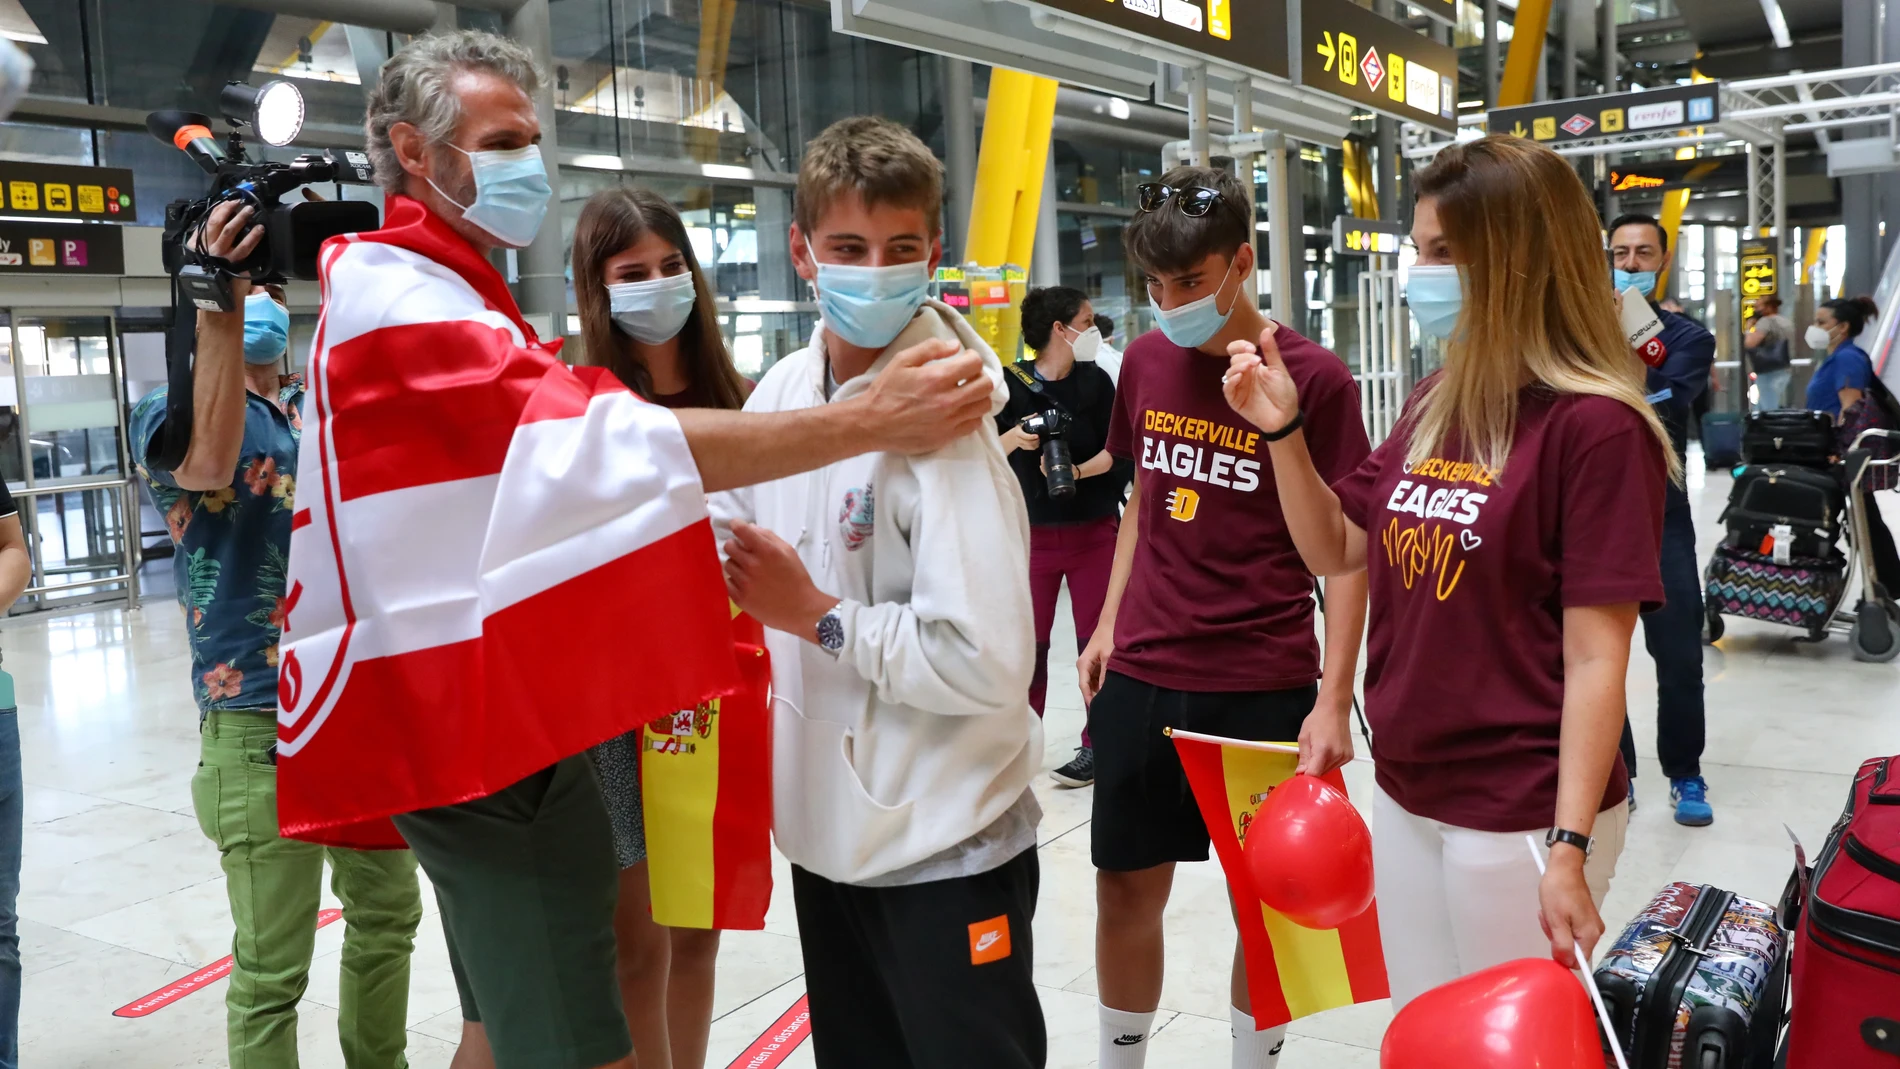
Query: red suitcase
<point x="1847" y="956"/>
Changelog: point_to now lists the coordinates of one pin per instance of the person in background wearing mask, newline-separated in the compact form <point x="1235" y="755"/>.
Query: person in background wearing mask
<point x="1208" y="623"/>
<point x="228" y="506"/>
<point x="1769" y="342"/>
<point x="1842" y="380"/>
<point x="1496" y="662"/>
<point x="1071" y="537"/>
<point x="898" y="620"/>
<point x="1107" y="357"/>
<point x="490" y="784"/>
<point x="1639" y="250"/>
<point x="647" y="315"/>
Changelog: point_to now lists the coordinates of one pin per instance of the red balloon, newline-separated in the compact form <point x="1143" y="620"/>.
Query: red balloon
<point x="1525" y="1014"/>
<point x="1310" y="854"/>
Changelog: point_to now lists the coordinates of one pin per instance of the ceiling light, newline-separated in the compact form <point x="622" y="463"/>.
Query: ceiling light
<point x="1118" y="107"/>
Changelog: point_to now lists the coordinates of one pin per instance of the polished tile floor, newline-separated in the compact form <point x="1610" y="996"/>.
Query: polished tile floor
<point x="122" y="893"/>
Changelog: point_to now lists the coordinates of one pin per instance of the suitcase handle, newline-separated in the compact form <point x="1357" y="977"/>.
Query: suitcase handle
<point x="1881" y="1034"/>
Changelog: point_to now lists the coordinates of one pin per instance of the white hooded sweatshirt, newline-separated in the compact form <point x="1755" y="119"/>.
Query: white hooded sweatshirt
<point x="918" y="734"/>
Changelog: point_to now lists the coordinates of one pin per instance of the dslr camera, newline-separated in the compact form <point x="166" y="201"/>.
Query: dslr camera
<point x="1051" y="427"/>
<point x="292" y="232"/>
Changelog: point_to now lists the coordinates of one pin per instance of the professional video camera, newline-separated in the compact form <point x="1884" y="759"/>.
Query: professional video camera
<point x="292" y="232"/>
<point x="1051" y="426"/>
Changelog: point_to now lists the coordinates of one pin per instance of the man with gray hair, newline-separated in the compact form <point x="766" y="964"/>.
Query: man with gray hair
<point x="499" y="560"/>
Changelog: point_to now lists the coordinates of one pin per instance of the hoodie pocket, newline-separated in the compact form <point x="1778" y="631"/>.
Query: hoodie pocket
<point x="836" y="828"/>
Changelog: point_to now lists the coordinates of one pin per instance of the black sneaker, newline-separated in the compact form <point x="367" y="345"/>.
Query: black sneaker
<point x="1079" y="772"/>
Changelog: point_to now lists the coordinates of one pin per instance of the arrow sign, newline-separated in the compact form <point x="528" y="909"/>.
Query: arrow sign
<point x="1326" y="49"/>
<point x="1519" y="131"/>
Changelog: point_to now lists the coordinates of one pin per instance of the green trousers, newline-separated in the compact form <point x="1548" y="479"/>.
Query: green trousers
<point x="274" y="885"/>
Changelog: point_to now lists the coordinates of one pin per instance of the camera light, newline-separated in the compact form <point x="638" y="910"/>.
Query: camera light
<point x="278" y="118"/>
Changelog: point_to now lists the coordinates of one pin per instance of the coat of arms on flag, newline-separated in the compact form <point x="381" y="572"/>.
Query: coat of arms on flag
<point x="1292" y="972"/>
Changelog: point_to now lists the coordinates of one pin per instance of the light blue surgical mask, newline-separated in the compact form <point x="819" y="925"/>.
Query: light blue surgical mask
<point x="511" y="193"/>
<point x="870" y="306"/>
<point x="1644" y="281"/>
<point x="1192" y="324"/>
<point x="1436" y="293"/>
<point x="653" y="310"/>
<point x="266" y="329"/>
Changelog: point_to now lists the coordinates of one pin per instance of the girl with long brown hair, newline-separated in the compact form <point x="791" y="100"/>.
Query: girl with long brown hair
<point x="1511" y="527"/>
<point x="647" y="315"/>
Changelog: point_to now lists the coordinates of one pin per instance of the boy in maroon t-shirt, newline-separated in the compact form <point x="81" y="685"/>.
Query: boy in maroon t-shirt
<point x="1209" y="620"/>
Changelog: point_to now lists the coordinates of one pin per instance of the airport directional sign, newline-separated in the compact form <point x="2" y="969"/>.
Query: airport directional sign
<point x="1366" y="237"/>
<point x="1579" y="118"/>
<point x="1349" y="52"/>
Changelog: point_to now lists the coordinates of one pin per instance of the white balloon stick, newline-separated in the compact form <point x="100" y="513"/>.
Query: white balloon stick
<point x="1589" y="979"/>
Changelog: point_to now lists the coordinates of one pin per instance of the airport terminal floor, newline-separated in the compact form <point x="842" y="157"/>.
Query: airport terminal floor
<point x="122" y="893"/>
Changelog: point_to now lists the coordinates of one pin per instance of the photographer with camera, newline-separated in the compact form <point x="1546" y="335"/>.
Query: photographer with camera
<point x="1059" y="408"/>
<point x="228" y="505"/>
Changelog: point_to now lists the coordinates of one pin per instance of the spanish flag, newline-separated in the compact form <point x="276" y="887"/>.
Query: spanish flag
<point x="1292" y="972"/>
<point x="706" y="788"/>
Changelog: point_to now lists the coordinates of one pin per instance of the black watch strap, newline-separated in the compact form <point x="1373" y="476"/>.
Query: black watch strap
<point x="1577" y="839"/>
<point x="1294" y="424"/>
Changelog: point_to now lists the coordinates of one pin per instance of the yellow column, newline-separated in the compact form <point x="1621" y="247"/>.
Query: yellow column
<point x="1008" y="194"/>
<point x="1518" y="85"/>
<point x="1817" y="240"/>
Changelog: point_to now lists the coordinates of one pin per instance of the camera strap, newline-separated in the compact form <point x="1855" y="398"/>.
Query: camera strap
<point x="167" y="448"/>
<point x="1036" y="387"/>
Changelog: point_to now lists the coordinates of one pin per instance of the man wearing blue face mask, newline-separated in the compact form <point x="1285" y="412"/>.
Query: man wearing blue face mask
<point x="587" y="511"/>
<point x="902" y="649"/>
<point x="1209" y="622"/>
<point x="1639" y="250"/>
<point x="228" y="506"/>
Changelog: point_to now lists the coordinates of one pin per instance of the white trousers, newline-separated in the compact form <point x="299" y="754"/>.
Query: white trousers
<point x="1453" y="901"/>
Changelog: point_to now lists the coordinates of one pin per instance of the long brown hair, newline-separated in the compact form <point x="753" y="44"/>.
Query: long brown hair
<point x="1537" y="307"/>
<point x="612" y="221"/>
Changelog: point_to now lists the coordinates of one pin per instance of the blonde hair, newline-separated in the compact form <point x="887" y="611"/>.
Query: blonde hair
<point x="1538" y="308"/>
<point x="879" y="160"/>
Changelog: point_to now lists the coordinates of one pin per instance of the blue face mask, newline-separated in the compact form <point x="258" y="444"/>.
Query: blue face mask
<point x="653" y="310"/>
<point x="1192" y="324"/>
<point x="870" y="306"/>
<point x="266" y="329"/>
<point x="511" y="193"/>
<point x="1644" y="281"/>
<point x="1436" y="293"/>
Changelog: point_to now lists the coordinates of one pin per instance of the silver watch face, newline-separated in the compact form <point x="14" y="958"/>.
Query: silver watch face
<point x="831" y="631"/>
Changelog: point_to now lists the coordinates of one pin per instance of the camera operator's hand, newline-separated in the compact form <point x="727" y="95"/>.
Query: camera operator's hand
<point x="230" y="235"/>
<point x="1016" y="438"/>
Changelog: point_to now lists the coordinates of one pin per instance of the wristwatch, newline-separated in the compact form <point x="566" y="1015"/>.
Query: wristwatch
<point x="1576" y="839"/>
<point x="831" y="630"/>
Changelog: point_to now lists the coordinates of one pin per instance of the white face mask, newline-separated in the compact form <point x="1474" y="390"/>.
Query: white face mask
<point x="1086" y="344"/>
<point x="1818" y="338"/>
<point x="655" y="309"/>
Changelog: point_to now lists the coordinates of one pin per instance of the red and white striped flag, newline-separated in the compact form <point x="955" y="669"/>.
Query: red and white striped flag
<point x="496" y="560"/>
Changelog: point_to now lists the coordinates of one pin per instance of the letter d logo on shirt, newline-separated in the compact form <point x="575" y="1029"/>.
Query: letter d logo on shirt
<point x="1183" y="503"/>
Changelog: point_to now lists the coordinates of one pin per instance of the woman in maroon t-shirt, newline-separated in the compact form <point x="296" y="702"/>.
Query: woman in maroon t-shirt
<point x="1511" y="530"/>
<point x="647" y="315"/>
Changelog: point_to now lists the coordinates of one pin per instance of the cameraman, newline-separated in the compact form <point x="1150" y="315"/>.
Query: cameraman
<point x="1072" y="536"/>
<point x="228" y="507"/>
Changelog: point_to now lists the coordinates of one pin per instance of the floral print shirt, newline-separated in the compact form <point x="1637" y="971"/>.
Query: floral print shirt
<point x="233" y="546"/>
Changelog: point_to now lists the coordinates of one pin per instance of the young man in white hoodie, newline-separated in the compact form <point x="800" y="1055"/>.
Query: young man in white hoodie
<point x="902" y="646"/>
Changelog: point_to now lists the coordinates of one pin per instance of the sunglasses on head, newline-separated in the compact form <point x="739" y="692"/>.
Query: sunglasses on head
<point x="1192" y="201"/>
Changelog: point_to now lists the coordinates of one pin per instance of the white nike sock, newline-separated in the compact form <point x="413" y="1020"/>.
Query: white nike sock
<point x="1124" y="1043"/>
<point x="1254" y="1050"/>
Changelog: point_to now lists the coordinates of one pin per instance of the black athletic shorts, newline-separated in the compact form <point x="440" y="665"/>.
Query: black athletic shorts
<point x="1144" y="813"/>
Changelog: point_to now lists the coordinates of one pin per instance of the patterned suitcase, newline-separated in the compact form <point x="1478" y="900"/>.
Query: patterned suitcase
<point x="1698" y="980"/>
<point x="1800" y="593"/>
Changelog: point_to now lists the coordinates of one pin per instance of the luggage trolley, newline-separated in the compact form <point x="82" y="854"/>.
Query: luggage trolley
<point x="1874" y="624"/>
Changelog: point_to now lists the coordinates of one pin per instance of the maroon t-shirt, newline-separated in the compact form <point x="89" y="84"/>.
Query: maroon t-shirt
<point x="1469" y="571"/>
<point x="1218" y="599"/>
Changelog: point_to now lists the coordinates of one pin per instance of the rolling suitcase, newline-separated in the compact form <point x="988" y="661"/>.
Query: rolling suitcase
<point x="1698" y="980"/>
<point x="1847" y="962"/>
<point x="1785" y="510"/>
<point x="1721" y="440"/>
<point x="1789" y="436"/>
<point x="1799" y="592"/>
